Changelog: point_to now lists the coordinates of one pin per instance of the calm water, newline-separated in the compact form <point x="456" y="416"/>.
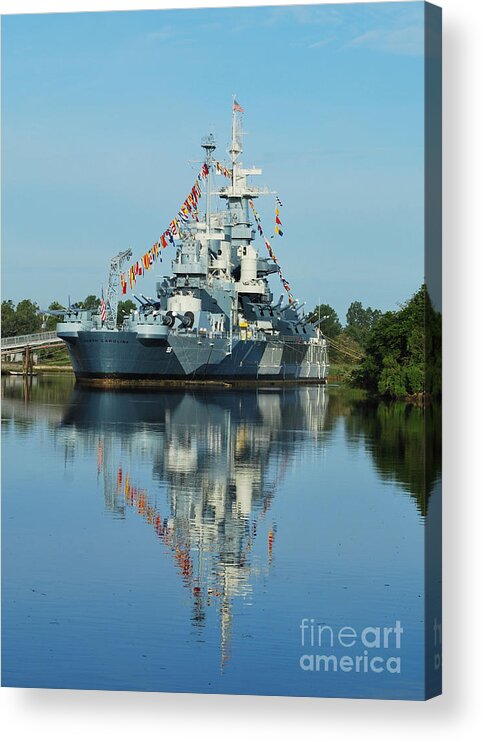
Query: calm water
<point x="176" y="541"/>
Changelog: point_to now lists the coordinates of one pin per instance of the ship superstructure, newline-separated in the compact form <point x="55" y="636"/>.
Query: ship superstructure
<point x="214" y="318"/>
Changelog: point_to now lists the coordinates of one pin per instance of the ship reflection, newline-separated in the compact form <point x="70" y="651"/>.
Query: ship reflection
<point x="215" y="462"/>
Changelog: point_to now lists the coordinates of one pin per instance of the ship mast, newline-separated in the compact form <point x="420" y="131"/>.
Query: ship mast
<point x="209" y="145"/>
<point x="235" y="149"/>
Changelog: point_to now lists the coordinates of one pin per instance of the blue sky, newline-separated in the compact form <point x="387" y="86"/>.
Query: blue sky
<point x="102" y="112"/>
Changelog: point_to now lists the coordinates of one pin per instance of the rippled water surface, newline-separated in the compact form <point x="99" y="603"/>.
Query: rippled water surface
<point x="178" y="540"/>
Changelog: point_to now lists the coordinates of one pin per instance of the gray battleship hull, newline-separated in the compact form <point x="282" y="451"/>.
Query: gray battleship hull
<point x="105" y="355"/>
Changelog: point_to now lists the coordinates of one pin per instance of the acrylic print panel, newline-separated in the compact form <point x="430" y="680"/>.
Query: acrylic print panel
<point x="221" y="364"/>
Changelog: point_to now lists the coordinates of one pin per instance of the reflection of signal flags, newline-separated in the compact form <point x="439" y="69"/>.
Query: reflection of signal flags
<point x="271" y="537"/>
<point x="119" y="479"/>
<point x="99" y="456"/>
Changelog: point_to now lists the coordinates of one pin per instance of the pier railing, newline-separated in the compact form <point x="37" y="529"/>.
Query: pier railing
<point x="34" y="340"/>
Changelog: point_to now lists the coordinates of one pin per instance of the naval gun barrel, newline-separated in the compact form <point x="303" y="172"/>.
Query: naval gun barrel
<point x="168" y="319"/>
<point x="185" y="320"/>
<point x="54" y="312"/>
<point x="149" y="301"/>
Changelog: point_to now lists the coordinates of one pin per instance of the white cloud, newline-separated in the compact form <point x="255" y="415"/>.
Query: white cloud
<point x="322" y="42"/>
<point x="166" y="33"/>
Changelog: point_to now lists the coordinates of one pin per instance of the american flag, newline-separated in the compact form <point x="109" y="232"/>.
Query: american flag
<point x="237" y="106"/>
<point x="103" y="309"/>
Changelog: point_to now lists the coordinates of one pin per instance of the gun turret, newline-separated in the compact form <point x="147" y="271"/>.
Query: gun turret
<point x="185" y="320"/>
<point x="151" y="302"/>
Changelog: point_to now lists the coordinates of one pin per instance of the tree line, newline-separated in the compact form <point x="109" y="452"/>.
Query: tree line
<point x="27" y="317"/>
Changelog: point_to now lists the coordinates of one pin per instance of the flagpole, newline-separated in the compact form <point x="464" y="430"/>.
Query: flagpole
<point x="233" y="130"/>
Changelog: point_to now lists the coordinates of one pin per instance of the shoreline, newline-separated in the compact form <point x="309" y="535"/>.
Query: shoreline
<point x="335" y="380"/>
<point x="40" y="369"/>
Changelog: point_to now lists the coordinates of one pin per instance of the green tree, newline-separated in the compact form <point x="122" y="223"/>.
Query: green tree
<point x="345" y="350"/>
<point x="90" y="302"/>
<point x="52" y="321"/>
<point x="434" y="358"/>
<point x="360" y="321"/>
<point x="28" y="318"/>
<point x="330" y="324"/>
<point x="402" y="353"/>
<point x="124" y="308"/>
<point x="9" y="320"/>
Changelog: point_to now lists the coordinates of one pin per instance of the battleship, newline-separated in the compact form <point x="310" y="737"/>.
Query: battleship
<point x="214" y="319"/>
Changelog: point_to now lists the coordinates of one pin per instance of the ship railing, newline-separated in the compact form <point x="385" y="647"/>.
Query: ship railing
<point x="224" y="335"/>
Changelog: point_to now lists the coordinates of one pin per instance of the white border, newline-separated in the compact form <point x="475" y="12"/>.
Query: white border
<point x="77" y="715"/>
